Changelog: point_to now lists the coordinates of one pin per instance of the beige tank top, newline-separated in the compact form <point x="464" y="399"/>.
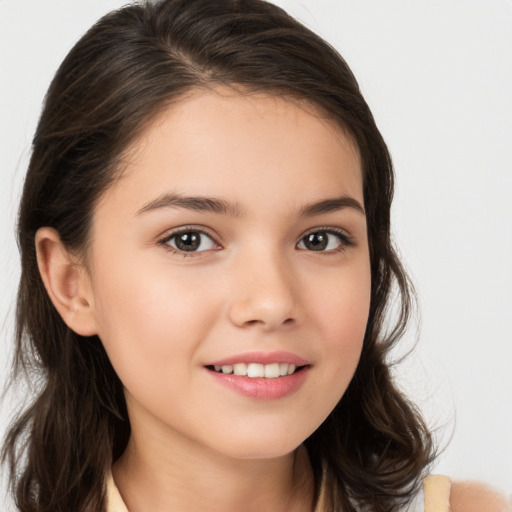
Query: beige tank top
<point x="433" y="497"/>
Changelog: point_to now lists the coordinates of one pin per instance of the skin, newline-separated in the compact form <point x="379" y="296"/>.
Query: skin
<point x="476" y="497"/>
<point x="254" y="285"/>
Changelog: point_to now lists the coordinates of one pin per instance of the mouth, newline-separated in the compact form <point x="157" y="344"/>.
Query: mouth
<point x="258" y="370"/>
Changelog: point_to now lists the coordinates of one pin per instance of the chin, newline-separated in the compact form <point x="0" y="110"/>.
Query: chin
<point x="267" y="444"/>
<point x="262" y="452"/>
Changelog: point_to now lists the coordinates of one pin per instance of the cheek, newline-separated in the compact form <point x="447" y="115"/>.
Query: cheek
<point x="342" y="305"/>
<point x="341" y="310"/>
<point x="151" y="319"/>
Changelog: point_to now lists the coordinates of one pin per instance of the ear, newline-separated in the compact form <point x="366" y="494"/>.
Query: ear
<point x="66" y="281"/>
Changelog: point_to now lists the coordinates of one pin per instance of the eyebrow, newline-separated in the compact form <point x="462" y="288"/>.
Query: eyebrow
<point x="221" y="206"/>
<point x="195" y="203"/>
<point x="331" y="205"/>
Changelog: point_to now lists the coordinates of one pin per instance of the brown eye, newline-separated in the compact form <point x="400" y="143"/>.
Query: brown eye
<point x="323" y="241"/>
<point x="191" y="241"/>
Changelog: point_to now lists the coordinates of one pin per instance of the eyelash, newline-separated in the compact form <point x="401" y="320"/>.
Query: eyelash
<point x="345" y="240"/>
<point x="185" y="229"/>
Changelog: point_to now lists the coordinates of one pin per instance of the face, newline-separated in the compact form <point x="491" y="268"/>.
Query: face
<point x="229" y="273"/>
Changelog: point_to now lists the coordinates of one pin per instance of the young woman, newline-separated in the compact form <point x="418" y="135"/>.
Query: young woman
<point x="206" y="269"/>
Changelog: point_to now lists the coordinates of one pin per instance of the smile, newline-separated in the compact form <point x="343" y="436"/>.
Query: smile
<point x="255" y="370"/>
<point x="261" y="375"/>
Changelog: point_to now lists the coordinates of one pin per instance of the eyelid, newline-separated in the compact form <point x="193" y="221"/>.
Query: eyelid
<point x="164" y="239"/>
<point x="346" y="239"/>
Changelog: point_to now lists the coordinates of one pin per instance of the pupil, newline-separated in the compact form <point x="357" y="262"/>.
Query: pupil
<point x="316" y="241"/>
<point x="188" y="241"/>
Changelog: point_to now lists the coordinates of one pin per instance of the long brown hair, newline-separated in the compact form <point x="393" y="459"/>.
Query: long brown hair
<point x="374" y="448"/>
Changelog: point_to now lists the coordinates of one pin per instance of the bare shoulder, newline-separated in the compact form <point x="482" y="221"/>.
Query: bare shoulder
<point x="477" y="497"/>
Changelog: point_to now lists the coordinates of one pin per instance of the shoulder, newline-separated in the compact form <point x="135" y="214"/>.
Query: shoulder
<point x="476" y="497"/>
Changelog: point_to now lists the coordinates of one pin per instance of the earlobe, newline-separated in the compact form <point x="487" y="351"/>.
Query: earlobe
<point x="66" y="282"/>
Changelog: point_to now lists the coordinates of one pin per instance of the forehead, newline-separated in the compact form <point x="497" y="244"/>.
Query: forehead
<point x="223" y="142"/>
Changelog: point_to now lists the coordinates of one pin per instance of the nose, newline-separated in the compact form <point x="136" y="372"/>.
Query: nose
<point x="264" y="294"/>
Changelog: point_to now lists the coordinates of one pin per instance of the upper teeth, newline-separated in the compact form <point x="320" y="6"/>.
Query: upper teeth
<point x="269" y="371"/>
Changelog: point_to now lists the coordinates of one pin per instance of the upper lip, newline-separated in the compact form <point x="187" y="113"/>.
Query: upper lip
<point x="261" y="358"/>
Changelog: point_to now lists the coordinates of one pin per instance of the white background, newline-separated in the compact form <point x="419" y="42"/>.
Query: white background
<point x="438" y="77"/>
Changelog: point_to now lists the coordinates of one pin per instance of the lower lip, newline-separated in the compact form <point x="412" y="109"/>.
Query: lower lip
<point x="261" y="388"/>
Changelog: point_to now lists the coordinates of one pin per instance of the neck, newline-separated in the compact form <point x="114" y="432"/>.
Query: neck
<point x="191" y="479"/>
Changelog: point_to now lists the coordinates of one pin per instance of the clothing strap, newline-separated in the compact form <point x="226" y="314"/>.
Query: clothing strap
<point x="114" y="501"/>
<point x="437" y="493"/>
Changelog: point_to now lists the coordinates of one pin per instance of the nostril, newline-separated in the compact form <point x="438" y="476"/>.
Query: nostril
<point x="255" y="311"/>
<point x="249" y="323"/>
